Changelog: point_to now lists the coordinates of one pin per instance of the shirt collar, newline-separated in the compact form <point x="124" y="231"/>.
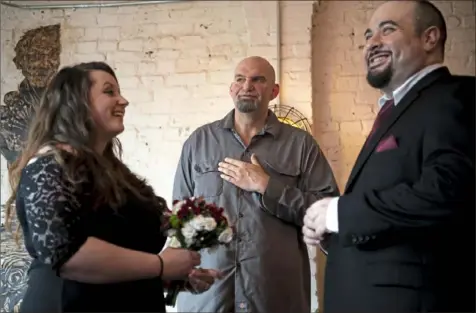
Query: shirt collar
<point x="272" y="123"/>
<point x="401" y="91"/>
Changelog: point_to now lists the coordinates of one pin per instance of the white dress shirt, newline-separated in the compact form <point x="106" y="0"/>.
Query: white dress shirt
<point x="332" y="220"/>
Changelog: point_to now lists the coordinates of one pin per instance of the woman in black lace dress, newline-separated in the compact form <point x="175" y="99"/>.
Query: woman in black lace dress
<point x="92" y="227"/>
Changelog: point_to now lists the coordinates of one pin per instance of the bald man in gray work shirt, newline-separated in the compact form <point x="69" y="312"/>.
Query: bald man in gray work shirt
<point x="265" y="174"/>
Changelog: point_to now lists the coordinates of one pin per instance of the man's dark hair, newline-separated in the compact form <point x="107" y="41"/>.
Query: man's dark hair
<point x="428" y="15"/>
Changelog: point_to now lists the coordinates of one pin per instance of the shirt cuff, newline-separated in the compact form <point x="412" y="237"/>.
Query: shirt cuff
<point x="332" y="220"/>
<point x="271" y="196"/>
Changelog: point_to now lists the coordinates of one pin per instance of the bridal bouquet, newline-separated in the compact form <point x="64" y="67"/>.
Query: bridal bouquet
<point x="195" y="225"/>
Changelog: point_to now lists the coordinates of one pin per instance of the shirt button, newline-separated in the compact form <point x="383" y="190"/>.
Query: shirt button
<point x="240" y="215"/>
<point x="238" y="265"/>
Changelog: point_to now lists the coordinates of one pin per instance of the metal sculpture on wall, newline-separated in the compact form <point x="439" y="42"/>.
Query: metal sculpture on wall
<point x="38" y="58"/>
<point x="15" y="117"/>
<point x="291" y="116"/>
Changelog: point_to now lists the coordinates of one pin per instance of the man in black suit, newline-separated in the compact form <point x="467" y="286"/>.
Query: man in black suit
<point x="401" y="237"/>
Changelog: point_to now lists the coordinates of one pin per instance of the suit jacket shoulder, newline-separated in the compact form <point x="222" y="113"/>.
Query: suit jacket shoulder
<point x="448" y="94"/>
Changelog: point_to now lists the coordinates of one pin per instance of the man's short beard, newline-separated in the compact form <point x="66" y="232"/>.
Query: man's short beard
<point x="381" y="79"/>
<point x="247" y="106"/>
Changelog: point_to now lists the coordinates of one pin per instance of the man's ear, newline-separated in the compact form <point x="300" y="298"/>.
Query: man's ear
<point x="431" y="37"/>
<point x="275" y="92"/>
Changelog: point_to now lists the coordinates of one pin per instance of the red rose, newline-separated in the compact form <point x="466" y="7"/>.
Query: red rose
<point x="213" y="209"/>
<point x="188" y="203"/>
<point x="196" y="210"/>
<point x="182" y="213"/>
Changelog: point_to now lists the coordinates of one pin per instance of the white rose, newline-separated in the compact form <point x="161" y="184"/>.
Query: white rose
<point x="174" y="243"/>
<point x="203" y="223"/>
<point x="189" y="242"/>
<point x="226" y="236"/>
<point x="188" y="231"/>
<point x="209" y="224"/>
<point x="198" y="222"/>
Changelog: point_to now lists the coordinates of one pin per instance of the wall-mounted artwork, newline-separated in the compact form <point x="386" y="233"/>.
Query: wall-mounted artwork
<point x="37" y="55"/>
<point x="38" y="58"/>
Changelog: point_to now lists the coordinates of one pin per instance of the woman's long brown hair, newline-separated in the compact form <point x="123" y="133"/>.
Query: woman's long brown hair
<point x="63" y="118"/>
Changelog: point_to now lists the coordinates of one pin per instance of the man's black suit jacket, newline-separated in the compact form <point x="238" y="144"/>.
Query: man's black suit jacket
<point x="406" y="240"/>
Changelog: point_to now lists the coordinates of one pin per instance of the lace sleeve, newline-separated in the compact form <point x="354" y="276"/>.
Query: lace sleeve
<point x="52" y="212"/>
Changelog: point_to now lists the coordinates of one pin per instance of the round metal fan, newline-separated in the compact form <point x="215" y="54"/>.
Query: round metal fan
<point x="291" y="116"/>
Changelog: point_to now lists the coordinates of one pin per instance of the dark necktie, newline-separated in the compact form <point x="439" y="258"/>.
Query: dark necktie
<point x="384" y="112"/>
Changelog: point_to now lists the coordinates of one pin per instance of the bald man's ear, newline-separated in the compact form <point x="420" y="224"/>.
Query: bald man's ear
<point x="275" y="92"/>
<point x="431" y="38"/>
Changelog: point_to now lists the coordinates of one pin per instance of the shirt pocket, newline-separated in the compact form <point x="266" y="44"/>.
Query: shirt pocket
<point x="208" y="182"/>
<point x="285" y="171"/>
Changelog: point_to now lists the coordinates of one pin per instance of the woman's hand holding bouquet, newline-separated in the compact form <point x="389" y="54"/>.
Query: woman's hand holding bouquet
<point x="194" y="224"/>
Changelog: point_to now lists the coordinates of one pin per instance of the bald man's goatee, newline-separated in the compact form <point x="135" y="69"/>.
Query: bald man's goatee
<point x="246" y="106"/>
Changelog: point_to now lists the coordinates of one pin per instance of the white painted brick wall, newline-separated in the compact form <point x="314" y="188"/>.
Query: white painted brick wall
<point x="174" y="62"/>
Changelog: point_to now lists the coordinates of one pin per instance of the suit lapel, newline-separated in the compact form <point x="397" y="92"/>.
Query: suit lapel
<point x="397" y="112"/>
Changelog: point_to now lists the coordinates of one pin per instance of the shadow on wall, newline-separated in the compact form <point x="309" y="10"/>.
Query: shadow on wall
<point x="38" y="57"/>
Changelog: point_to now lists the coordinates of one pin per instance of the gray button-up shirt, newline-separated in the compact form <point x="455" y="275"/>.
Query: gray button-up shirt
<point x="267" y="265"/>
